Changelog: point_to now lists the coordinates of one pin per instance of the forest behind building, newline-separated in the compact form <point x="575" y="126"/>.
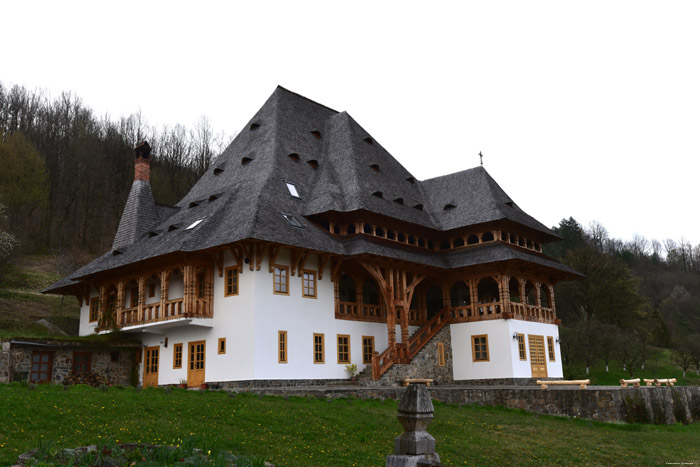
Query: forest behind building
<point x="65" y="174"/>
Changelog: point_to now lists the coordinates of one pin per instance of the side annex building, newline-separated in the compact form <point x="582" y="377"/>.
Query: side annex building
<point x="307" y="247"/>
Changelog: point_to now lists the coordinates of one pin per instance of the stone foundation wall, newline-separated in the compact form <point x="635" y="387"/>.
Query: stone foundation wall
<point x="657" y="405"/>
<point x="16" y="362"/>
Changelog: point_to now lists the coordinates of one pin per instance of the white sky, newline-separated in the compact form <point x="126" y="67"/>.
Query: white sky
<point x="588" y="109"/>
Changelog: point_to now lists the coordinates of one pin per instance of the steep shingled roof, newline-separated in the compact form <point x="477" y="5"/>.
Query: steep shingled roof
<point x="336" y="166"/>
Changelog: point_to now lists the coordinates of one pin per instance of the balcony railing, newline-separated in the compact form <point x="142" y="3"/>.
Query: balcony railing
<point x="158" y="312"/>
<point x="364" y="312"/>
<point x="488" y="311"/>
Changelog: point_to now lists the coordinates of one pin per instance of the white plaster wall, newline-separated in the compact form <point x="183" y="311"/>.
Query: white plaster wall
<point x="176" y="288"/>
<point x="86" y="327"/>
<point x="521" y="368"/>
<point x="504" y="358"/>
<point x="156" y="297"/>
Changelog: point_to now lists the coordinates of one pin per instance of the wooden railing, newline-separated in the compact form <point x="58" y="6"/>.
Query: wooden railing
<point x="403" y="353"/>
<point x="366" y="312"/>
<point x="173" y="309"/>
<point x="488" y="311"/>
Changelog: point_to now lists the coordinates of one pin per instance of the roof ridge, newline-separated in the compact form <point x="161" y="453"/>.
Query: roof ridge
<point x="306" y="98"/>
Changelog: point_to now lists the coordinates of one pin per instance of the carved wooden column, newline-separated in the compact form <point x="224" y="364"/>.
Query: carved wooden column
<point x="209" y="292"/>
<point x="103" y="304"/>
<point x="163" y="291"/>
<point x="121" y="297"/>
<point x="538" y="299"/>
<point x="142" y="296"/>
<point x="523" y="297"/>
<point x="401" y="295"/>
<point x="505" y="296"/>
<point x="391" y="308"/>
<point x="473" y="285"/>
<point x="188" y="289"/>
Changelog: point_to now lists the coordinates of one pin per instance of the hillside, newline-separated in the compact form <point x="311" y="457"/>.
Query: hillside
<point x="22" y="305"/>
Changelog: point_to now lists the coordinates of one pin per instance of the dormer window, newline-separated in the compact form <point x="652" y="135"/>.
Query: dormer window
<point x="509" y="204"/>
<point x="213" y="198"/>
<point x="313" y="163"/>
<point x="378" y="194"/>
<point x="448" y="207"/>
<point x="194" y="204"/>
<point x="418" y="206"/>
<point x="368" y="140"/>
<point x="292" y="190"/>
<point x="218" y="171"/>
<point x="375" y="167"/>
<point x="194" y="224"/>
<point x="399" y="201"/>
<point x="152" y="234"/>
<point x="411" y="180"/>
<point x="254" y="126"/>
<point x="116" y="252"/>
<point x="172" y="227"/>
<point x="292" y="221"/>
<point x="294" y="157"/>
<point x="246" y="160"/>
<point x="316" y="134"/>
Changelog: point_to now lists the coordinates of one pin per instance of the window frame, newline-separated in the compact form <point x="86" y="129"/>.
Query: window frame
<point x="441" y="354"/>
<point x="347" y="360"/>
<point x="522" y="350"/>
<point x="322" y="351"/>
<point x="279" y="267"/>
<point x="232" y="270"/>
<point x="89" y="362"/>
<point x="282" y="347"/>
<point x="550" y="349"/>
<point x="49" y="370"/>
<point x="221" y="346"/>
<point x="485" y="344"/>
<point x="177" y="356"/>
<point x="94" y="307"/>
<point x="366" y="361"/>
<point x="311" y="274"/>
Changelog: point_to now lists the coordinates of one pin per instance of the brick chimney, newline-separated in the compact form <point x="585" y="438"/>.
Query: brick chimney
<point x="142" y="162"/>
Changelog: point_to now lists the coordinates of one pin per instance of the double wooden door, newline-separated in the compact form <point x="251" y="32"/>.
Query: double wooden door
<point x="195" y="363"/>
<point x="150" y="366"/>
<point x="538" y="362"/>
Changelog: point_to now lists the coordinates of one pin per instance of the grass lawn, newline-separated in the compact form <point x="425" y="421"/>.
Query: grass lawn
<point x="299" y="431"/>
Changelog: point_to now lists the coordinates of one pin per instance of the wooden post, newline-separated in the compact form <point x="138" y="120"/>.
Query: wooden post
<point x="142" y="296"/>
<point x="121" y="296"/>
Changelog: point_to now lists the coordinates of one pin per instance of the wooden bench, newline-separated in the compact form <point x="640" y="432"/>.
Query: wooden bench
<point x="626" y="382"/>
<point x="425" y="381"/>
<point x="581" y="383"/>
<point x="659" y="382"/>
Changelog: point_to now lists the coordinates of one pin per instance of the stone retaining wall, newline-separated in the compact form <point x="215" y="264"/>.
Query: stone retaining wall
<point x="658" y="405"/>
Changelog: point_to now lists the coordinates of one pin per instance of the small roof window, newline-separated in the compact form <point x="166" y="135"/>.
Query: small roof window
<point x="194" y="224"/>
<point x="411" y="180"/>
<point x="317" y="134"/>
<point x="418" y="206"/>
<point x="218" y="171"/>
<point x="152" y="234"/>
<point x="294" y="156"/>
<point x="116" y="252"/>
<point x="194" y="204"/>
<point x="292" y="221"/>
<point x="172" y="227"/>
<point x="254" y="126"/>
<point x="313" y="163"/>
<point x="375" y="167"/>
<point x="509" y="204"/>
<point x="368" y="140"/>
<point x="398" y="200"/>
<point x="246" y="160"/>
<point x="213" y="198"/>
<point x="448" y="206"/>
<point x="292" y="190"/>
<point x="378" y="194"/>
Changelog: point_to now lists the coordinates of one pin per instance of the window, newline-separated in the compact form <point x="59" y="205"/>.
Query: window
<point x="200" y="285"/>
<point x="134" y="301"/>
<point x="281" y="346"/>
<point x="308" y="283"/>
<point x="367" y="349"/>
<point x="282" y="280"/>
<point x="521" y="346"/>
<point x="343" y="348"/>
<point x="94" y="309"/>
<point x="151" y="290"/>
<point x="292" y="190"/>
<point x="222" y="345"/>
<point x="194" y="224"/>
<point x="292" y="221"/>
<point x="319" y="351"/>
<point x="231" y="281"/>
<point x="550" y="347"/>
<point x="81" y="362"/>
<point x="42" y="366"/>
<point x="177" y="356"/>
<point x="441" y="353"/>
<point x="480" y="348"/>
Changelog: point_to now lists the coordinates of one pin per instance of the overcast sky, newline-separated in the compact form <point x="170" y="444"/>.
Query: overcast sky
<point x="585" y="109"/>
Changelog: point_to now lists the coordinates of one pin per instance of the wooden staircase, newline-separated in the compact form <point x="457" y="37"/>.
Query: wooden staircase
<point x="402" y="353"/>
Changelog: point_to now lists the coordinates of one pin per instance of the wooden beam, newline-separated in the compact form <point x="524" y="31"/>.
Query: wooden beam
<point x="237" y="253"/>
<point x="335" y="269"/>
<point x="218" y="258"/>
<point x="249" y="253"/>
<point x="322" y="261"/>
<point x="273" y="252"/>
<point x="259" y="255"/>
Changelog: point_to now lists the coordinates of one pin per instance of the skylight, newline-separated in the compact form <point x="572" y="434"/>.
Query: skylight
<point x="194" y="224"/>
<point x="292" y="190"/>
<point x="292" y="221"/>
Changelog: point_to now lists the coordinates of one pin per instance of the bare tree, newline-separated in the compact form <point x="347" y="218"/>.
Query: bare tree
<point x="682" y="355"/>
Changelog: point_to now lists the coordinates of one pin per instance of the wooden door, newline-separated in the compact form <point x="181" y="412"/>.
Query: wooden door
<point x="195" y="365"/>
<point x="538" y="363"/>
<point x="150" y="367"/>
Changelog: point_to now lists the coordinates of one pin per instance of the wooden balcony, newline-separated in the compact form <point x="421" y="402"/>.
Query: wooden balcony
<point x="360" y="312"/>
<point x="488" y="311"/>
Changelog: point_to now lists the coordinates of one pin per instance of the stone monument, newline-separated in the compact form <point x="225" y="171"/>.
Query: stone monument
<point x="415" y="447"/>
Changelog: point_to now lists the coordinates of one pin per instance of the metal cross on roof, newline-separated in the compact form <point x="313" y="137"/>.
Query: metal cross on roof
<point x="481" y="158"/>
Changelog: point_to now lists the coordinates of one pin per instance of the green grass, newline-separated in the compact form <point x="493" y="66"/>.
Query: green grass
<point x="659" y="365"/>
<point x="298" y="432"/>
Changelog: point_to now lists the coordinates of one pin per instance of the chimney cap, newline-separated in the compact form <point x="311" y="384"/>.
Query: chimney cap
<point x="142" y="150"/>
